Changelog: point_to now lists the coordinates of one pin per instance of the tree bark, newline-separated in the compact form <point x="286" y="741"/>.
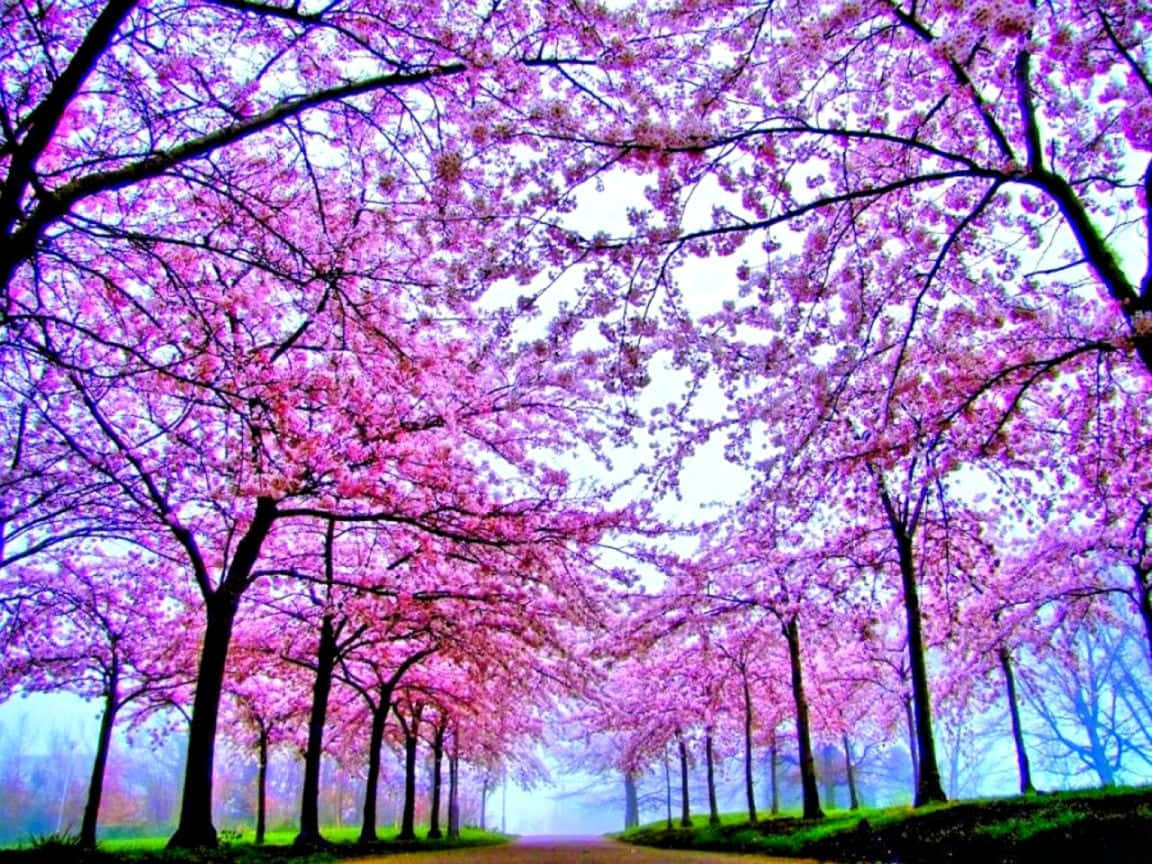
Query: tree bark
<point x="850" y="774"/>
<point x="327" y="653"/>
<point x="749" y="785"/>
<point x="1024" y="769"/>
<point x="195" y="828"/>
<point x="713" y="810"/>
<point x="910" y="722"/>
<point x="773" y="761"/>
<point x="928" y="787"/>
<point x="454" y="789"/>
<point x="87" y="837"/>
<point x="434" y="832"/>
<point x="326" y="656"/>
<point x="668" y="787"/>
<point x="380" y="711"/>
<point x="411" y="740"/>
<point x="685" y="815"/>
<point x="811" y="794"/>
<point x="372" y="781"/>
<point x="631" y="802"/>
<point x="262" y="786"/>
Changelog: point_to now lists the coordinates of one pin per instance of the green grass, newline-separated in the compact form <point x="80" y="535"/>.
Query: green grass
<point x="236" y="847"/>
<point x="1023" y="828"/>
<point x="342" y="835"/>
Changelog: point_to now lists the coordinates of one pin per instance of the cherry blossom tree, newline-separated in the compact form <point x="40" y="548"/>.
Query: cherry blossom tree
<point x="76" y="625"/>
<point x="170" y="287"/>
<point x="263" y="708"/>
<point x="947" y="158"/>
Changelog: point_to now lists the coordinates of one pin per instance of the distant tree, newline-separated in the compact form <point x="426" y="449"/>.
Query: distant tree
<point x="1077" y="692"/>
<point x="85" y="624"/>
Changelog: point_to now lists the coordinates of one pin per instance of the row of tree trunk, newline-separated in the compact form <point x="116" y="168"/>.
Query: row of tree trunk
<point x="919" y="723"/>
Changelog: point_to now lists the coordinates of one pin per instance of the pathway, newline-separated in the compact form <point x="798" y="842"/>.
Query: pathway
<point x="574" y="850"/>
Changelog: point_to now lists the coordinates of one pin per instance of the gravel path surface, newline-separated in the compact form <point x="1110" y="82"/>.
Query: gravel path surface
<point x="574" y="850"/>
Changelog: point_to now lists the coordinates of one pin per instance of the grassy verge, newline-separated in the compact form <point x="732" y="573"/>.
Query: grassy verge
<point x="1111" y="825"/>
<point x="235" y="848"/>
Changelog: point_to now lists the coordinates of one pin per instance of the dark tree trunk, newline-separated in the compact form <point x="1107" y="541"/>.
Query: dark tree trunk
<point x="850" y="774"/>
<point x="87" y="837"/>
<point x="668" y="787"/>
<point x="411" y="740"/>
<point x="437" y="760"/>
<point x="928" y="787"/>
<point x="380" y="709"/>
<point x="195" y="828"/>
<point x="262" y="786"/>
<point x="1022" y="765"/>
<point x="773" y="762"/>
<point x="803" y="735"/>
<point x="408" y="816"/>
<point x="326" y="656"/>
<point x="685" y="815"/>
<point x="1143" y="588"/>
<point x="454" y="789"/>
<point x="631" y="802"/>
<point x="713" y="810"/>
<point x="372" y="782"/>
<point x="749" y="785"/>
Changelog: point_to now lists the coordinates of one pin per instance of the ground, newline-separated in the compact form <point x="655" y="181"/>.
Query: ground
<point x="575" y="850"/>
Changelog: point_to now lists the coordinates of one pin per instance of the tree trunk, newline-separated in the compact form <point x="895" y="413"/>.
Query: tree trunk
<point x="262" y="786"/>
<point x="685" y="815"/>
<point x="195" y="828"/>
<point x="713" y="810"/>
<point x="773" y="762"/>
<point x="631" y="802"/>
<point x="411" y="740"/>
<point x="910" y="722"/>
<point x="326" y="655"/>
<point x="850" y="774"/>
<point x="928" y="788"/>
<point x="372" y="781"/>
<point x="434" y="832"/>
<point x="376" y="741"/>
<point x="824" y="776"/>
<point x="1022" y="765"/>
<point x="803" y="735"/>
<point x="454" y="789"/>
<point x="87" y="837"/>
<point x="484" y="802"/>
<point x="749" y="785"/>
<point x="668" y="787"/>
<point x="1143" y="587"/>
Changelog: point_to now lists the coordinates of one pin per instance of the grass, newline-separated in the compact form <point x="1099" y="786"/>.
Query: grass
<point x="236" y="847"/>
<point x="1108" y="822"/>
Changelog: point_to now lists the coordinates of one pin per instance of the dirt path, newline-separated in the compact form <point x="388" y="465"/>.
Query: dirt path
<point x="574" y="850"/>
